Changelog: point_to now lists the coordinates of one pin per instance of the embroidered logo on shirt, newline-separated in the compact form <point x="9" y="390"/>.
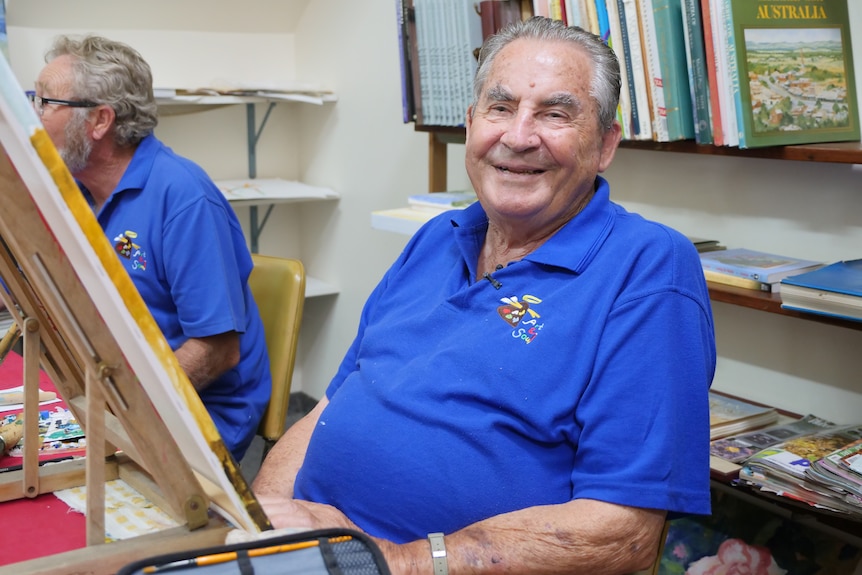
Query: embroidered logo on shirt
<point x="513" y="311"/>
<point x="130" y="250"/>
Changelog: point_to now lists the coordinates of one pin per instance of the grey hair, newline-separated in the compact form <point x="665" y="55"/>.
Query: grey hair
<point x="605" y="83"/>
<point x="115" y="74"/>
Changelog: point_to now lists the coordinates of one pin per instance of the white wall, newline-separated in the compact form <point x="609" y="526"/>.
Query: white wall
<point x="360" y="148"/>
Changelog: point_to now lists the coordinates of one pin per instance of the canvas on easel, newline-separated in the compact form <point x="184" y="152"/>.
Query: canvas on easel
<point x="84" y="322"/>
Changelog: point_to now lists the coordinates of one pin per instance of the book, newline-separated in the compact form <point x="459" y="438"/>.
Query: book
<point x="408" y="112"/>
<point x="783" y="469"/>
<point x="619" y="43"/>
<point x="796" y="64"/>
<point x="442" y="201"/>
<point x="835" y="289"/>
<point x="667" y="16"/>
<point x="756" y="265"/>
<point x="642" y="124"/>
<point x="653" y="70"/>
<point x="736" y="281"/>
<point x="698" y="82"/>
<point x="722" y="72"/>
<point x="833" y="470"/>
<point x="705" y="245"/>
<point x="712" y="77"/>
<point x="738" y="448"/>
<point x="733" y="74"/>
<point x="729" y="415"/>
<point x="497" y="14"/>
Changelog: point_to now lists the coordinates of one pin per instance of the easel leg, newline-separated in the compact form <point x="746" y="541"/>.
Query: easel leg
<point x="95" y="464"/>
<point x="32" y="354"/>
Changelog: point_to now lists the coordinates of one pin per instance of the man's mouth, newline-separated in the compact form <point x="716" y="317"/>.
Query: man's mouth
<point x="520" y="171"/>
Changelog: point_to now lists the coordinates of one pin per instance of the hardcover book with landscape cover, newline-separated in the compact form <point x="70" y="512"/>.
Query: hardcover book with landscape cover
<point x="796" y="74"/>
<point x="755" y="265"/>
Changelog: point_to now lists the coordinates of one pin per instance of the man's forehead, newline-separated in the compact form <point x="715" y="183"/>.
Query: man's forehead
<point x="56" y="75"/>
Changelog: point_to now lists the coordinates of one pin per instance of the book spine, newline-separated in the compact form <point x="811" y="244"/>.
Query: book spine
<point x="592" y="17"/>
<point x="738" y="281"/>
<point x="712" y="79"/>
<point x="619" y="45"/>
<point x="697" y="74"/>
<point x="638" y="77"/>
<point x="674" y="70"/>
<point x="725" y="96"/>
<point x="733" y="66"/>
<point x="653" y="69"/>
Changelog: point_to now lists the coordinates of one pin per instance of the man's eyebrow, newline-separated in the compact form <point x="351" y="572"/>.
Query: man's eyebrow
<point x="565" y="99"/>
<point x="499" y="94"/>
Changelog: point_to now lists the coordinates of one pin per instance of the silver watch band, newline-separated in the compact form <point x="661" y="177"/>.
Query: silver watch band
<point x="438" y="554"/>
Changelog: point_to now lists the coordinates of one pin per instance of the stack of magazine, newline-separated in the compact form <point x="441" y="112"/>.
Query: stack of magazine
<point x="822" y="469"/>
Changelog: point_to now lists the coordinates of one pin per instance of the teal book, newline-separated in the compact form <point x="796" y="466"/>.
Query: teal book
<point x="698" y="76"/>
<point x="670" y="38"/>
<point x="795" y="62"/>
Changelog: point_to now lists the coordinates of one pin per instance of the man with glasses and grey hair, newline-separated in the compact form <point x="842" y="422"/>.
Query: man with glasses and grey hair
<point x="171" y="227"/>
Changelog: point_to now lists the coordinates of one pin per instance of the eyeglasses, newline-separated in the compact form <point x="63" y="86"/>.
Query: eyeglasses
<point x="39" y="103"/>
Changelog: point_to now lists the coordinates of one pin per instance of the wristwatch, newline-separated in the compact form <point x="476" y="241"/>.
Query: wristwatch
<point x="438" y="553"/>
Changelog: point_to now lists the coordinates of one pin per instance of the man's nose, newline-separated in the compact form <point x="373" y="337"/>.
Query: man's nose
<point x="521" y="132"/>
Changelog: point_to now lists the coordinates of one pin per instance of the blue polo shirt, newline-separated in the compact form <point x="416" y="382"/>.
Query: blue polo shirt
<point x="582" y="371"/>
<point x="185" y="251"/>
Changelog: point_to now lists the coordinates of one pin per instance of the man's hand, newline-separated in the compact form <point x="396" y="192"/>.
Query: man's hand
<point x="284" y="512"/>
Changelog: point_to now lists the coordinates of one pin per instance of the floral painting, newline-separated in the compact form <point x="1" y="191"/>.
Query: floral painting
<point x="741" y="538"/>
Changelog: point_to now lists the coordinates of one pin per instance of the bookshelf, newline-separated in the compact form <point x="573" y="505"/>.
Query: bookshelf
<point x="279" y="190"/>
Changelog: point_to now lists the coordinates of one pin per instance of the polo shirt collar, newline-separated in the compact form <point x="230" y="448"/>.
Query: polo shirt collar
<point x="573" y="246"/>
<point x="138" y="171"/>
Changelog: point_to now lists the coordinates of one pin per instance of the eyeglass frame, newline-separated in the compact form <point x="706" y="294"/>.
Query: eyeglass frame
<point x="40" y="107"/>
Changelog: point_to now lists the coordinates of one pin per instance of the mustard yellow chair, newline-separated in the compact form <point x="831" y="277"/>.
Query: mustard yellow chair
<point x="278" y="286"/>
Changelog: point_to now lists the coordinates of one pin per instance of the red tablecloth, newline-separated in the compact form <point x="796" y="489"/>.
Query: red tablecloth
<point x="43" y="525"/>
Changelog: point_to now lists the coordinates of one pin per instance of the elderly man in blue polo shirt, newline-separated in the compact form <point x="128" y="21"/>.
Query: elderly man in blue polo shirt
<point x="528" y="386"/>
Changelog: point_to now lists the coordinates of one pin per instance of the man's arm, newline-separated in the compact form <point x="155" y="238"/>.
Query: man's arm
<point x="583" y="536"/>
<point x="279" y="469"/>
<point x="205" y="358"/>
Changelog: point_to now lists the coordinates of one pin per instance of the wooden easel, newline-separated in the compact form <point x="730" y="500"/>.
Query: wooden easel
<point x="185" y="469"/>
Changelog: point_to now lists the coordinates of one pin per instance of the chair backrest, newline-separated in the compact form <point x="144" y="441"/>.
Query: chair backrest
<point x="278" y="286"/>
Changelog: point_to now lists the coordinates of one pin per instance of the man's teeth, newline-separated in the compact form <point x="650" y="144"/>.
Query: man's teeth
<point x="521" y="171"/>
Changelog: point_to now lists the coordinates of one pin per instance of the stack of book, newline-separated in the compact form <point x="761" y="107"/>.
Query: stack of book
<point x="729" y="453"/>
<point x="834" y="290"/>
<point x="706" y="245"/>
<point x="729" y="415"/>
<point x="821" y="469"/>
<point x="752" y="269"/>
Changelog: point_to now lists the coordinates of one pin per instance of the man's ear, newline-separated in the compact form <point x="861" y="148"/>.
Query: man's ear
<point x="103" y="121"/>
<point x="610" y="140"/>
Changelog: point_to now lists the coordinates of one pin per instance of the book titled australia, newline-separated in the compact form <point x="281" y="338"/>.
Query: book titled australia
<point x="796" y="73"/>
<point x="755" y="265"/>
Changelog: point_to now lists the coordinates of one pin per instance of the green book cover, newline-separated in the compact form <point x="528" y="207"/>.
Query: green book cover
<point x="795" y="64"/>
<point x="674" y="68"/>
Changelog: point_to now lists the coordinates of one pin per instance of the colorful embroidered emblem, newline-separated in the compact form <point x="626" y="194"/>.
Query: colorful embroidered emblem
<point x="124" y="245"/>
<point x="131" y="251"/>
<point x="514" y="310"/>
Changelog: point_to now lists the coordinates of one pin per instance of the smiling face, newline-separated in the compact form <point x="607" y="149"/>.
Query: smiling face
<point x="534" y="144"/>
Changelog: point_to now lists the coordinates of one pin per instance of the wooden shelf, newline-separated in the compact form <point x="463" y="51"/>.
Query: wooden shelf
<point x="839" y="152"/>
<point x="769" y="302"/>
